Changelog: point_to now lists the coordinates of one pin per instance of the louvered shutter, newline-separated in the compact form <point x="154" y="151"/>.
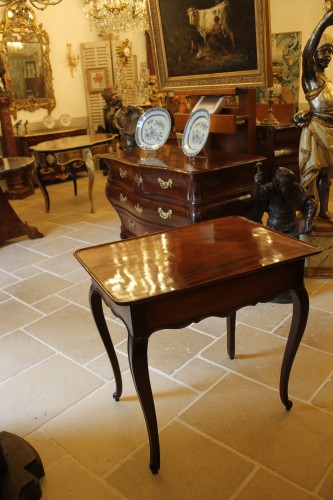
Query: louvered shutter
<point x="96" y="55"/>
<point x="130" y="70"/>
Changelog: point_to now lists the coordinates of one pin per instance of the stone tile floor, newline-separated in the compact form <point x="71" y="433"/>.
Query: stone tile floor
<point x="224" y="433"/>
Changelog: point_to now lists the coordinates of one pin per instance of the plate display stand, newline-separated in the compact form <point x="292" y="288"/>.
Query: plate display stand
<point x="234" y="128"/>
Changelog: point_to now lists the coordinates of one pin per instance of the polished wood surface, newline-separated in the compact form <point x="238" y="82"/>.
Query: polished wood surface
<point x="11" y="225"/>
<point x="173" y="278"/>
<point x="165" y="189"/>
<point x="59" y="157"/>
<point x="27" y="140"/>
<point x="72" y="143"/>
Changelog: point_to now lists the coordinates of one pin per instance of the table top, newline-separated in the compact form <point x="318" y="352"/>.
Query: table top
<point x="13" y="163"/>
<point x="172" y="157"/>
<point x="71" y="143"/>
<point x="179" y="259"/>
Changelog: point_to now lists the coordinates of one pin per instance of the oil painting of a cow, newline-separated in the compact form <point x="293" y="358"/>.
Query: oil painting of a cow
<point x="205" y="20"/>
<point x="207" y="37"/>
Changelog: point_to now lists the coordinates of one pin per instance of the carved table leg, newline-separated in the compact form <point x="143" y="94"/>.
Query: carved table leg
<point x="300" y="315"/>
<point x="231" y="325"/>
<point x="137" y="355"/>
<point x="72" y="172"/>
<point x="97" y="310"/>
<point x="39" y="181"/>
<point x="90" y="164"/>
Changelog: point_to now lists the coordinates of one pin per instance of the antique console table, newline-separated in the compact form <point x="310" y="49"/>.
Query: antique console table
<point x="173" y="278"/>
<point x="62" y="156"/>
<point x="162" y="190"/>
<point x="11" y="225"/>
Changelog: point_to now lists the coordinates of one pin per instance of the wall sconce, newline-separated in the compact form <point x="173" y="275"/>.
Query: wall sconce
<point x="73" y="60"/>
<point x="124" y="52"/>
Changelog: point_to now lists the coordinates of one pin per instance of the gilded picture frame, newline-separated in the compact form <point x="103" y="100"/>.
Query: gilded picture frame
<point x="189" y="56"/>
<point x="97" y="79"/>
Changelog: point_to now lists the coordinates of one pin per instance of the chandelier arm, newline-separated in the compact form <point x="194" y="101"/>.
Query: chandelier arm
<point x="38" y="4"/>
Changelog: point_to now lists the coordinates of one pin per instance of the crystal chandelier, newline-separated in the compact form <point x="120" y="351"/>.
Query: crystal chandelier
<point x="38" y="4"/>
<point x="114" y="16"/>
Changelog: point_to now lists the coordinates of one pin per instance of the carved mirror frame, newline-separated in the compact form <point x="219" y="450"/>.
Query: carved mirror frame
<point x="19" y="28"/>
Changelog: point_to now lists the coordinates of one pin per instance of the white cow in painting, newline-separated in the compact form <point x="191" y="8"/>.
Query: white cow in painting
<point x="203" y="19"/>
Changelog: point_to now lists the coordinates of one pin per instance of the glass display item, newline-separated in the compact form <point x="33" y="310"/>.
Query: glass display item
<point x="49" y="122"/>
<point x="65" y="120"/>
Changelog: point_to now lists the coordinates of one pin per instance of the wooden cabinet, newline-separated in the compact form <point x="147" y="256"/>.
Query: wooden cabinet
<point x="280" y="145"/>
<point x="25" y="141"/>
<point x="163" y="190"/>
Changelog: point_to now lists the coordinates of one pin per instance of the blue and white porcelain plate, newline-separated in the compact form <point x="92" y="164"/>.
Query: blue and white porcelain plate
<point x="153" y="129"/>
<point x="196" y="132"/>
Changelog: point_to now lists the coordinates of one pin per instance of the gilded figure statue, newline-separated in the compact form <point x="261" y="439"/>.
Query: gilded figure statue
<point x="316" y="143"/>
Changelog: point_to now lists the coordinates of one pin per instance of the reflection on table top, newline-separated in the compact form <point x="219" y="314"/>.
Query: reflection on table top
<point x="13" y="163"/>
<point x="171" y="156"/>
<point x="70" y="143"/>
<point x="209" y="252"/>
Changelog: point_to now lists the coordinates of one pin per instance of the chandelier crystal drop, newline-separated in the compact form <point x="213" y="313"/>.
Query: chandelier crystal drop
<point x="38" y="4"/>
<point x="114" y="16"/>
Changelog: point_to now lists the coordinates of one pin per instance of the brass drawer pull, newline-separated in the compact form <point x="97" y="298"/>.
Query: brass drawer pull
<point x="122" y="198"/>
<point x="123" y="173"/>
<point x="165" y="215"/>
<point x="165" y="184"/>
<point x="138" y="179"/>
<point x="131" y="223"/>
<point x="138" y="209"/>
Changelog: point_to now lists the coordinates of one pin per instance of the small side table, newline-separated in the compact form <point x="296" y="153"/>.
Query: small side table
<point x="60" y="156"/>
<point x="11" y="225"/>
<point x="173" y="278"/>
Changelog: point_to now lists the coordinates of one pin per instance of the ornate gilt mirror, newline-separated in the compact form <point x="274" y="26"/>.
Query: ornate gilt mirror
<point x="25" y="55"/>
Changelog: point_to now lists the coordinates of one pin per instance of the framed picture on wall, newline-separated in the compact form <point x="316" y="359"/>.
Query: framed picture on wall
<point x="210" y="44"/>
<point x="97" y="79"/>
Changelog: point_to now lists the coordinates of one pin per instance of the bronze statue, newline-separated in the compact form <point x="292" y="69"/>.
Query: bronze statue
<point x="315" y="153"/>
<point x="282" y="198"/>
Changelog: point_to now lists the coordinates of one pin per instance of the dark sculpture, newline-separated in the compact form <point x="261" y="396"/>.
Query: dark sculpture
<point x="126" y="120"/>
<point x="112" y="103"/>
<point x="315" y="154"/>
<point x="282" y="198"/>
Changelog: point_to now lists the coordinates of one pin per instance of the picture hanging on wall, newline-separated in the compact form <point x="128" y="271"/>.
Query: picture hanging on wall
<point x="286" y="60"/>
<point x="210" y="44"/>
<point x="97" y="79"/>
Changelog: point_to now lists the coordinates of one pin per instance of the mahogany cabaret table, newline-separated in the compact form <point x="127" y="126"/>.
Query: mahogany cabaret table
<point x="173" y="278"/>
<point x="11" y="225"/>
<point x="66" y="154"/>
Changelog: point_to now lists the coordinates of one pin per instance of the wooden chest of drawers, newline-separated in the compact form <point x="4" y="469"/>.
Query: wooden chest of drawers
<point x="162" y="190"/>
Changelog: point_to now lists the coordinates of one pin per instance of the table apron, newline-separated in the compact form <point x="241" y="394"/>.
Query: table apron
<point x="221" y="299"/>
